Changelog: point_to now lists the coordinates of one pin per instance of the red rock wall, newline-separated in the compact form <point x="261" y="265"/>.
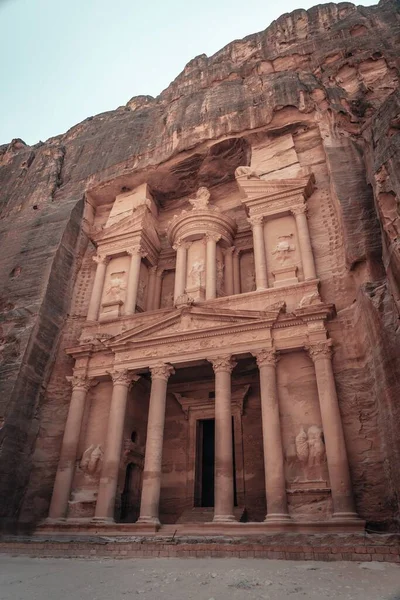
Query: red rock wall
<point x="332" y="70"/>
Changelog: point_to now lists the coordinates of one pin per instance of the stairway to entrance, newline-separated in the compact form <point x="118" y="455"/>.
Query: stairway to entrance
<point x="200" y="514"/>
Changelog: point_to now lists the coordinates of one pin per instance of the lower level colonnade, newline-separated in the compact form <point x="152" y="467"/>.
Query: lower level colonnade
<point x="273" y="452"/>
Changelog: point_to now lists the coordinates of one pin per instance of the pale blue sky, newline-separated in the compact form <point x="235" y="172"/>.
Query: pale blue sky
<point x="61" y="62"/>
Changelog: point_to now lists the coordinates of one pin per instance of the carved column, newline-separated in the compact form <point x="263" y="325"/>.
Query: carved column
<point x="149" y="506"/>
<point x="112" y="456"/>
<point x="307" y="257"/>
<point x="224" y="489"/>
<point x="69" y="448"/>
<point x="157" y="288"/>
<point x="211" y="266"/>
<point x="260" y="261"/>
<point x="229" y="286"/>
<point x="136" y="255"/>
<point x="275" y="484"/>
<point x="236" y="272"/>
<point x="97" y="291"/>
<point x="150" y="300"/>
<point x="338" y="466"/>
<point x="181" y="248"/>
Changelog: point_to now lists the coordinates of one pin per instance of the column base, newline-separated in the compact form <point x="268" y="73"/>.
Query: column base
<point x="343" y="516"/>
<point x="104" y="520"/>
<point x="224" y="519"/>
<point x="154" y="521"/>
<point x="277" y="517"/>
<point x="54" y="520"/>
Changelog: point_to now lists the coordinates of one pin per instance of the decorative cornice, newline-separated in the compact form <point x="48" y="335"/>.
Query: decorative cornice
<point x="320" y="350"/>
<point x="162" y="371"/>
<point x="266" y="357"/>
<point x="223" y="364"/>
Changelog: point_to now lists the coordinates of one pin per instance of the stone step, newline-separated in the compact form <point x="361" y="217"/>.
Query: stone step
<point x="201" y="514"/>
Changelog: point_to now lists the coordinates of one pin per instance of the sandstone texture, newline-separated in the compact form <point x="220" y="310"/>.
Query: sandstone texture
<point x="314" y="95"/>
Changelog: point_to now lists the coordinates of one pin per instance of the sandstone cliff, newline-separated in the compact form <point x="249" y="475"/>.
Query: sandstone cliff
<point x="334" y="67"/>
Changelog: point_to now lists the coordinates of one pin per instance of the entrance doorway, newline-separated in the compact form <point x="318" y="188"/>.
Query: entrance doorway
<point x="205" y="463"/>
<point x="130" y="498"/>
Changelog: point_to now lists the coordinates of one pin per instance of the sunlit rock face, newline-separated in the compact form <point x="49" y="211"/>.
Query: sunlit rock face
<point x="310" y="104"/>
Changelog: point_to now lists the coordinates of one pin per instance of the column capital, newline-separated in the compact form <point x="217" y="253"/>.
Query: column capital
<point x="160" y="271"/>
<point x="214" y="237"/>
<point x="301" y="209"/>
<point x="181" y="244"/>
<point x="162" y="371"/>
<point x="101" y="259"/>
<point x="320" y="350"/>
<point x="223" y="363"/>
<point x="237" y="251"/>
<point x="231" y="250"/>
<point x="79" y="382"/>
<point x="255" y="220"/>
<point x="137" y="249"/>
<point x="153" y="270"/>
<point x="266" y="357"/>
<point x="123" y="377"/>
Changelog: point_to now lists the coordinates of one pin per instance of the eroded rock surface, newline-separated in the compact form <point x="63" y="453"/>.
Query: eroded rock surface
<point x="317" y="91"/>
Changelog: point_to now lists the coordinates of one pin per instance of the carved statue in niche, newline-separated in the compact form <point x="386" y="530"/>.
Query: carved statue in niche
<point x="283" y="248"/>
<point x="116" y="286"/>
<point x="91" y="460"/>
<point x="307" y="455"/>
<point x="250" y="282"/>
<point x="220" y="278"/>
<point x="167" y="300"/>
<point x="201" y="199"/>
<point x="196" y="274"/>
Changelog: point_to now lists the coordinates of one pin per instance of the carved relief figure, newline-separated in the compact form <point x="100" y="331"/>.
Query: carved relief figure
<point x="250" y="283"/>
<point x="220" y="278"/>
<point x="201" y="199"/>
<point x="196" y="274"/>
<point x="91" y="460"/>
<point x="307" y="456"/>
<point x="310" y="299"/>
<point x="116" y="286"/>
<point x="141" y="291"/>
<point x="167" y="300"/>
<point x="283" y="248"/>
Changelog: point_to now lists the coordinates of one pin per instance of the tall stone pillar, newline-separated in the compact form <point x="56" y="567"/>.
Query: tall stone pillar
<point x="338" y="466"/>
<point x="181" y="248"/>
<point x="275" y="484"/>
<point x="224" y="488"/>
<point x="149" y="506"/>
<point x="236" y="272"/>
<point x="136" y="255"/>
<point x="112" y="456"/>
<point x="97" y="291"/>
<point x="228" y="279"/>
<point x="211" y="265"/>
<point x="260" y="261"/>
<point x="307" y="257"/>
<point x="150" y="300"/>
<point x="69" y="448"/>
<point x="157" y="289"/>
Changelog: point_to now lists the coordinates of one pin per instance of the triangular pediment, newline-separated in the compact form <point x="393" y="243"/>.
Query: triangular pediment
<point x="128" y="225"/>
<point x="192" y="320"/>
<point x="255" y="187"/>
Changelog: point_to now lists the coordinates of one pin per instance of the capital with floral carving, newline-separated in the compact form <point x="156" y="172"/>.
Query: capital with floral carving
<point x="320" y="350"/>
<point x="181" y="244"/>
<point x="135" y="250"/>
<point x="266" y="357"/>
<point x="301" y="209"/>
<point x="101" y="259"/>
<point x="79" y="382"/>
<point x="123" y="377"/>
<point x="214" y="237"/>
<point x="223" y="364"/>
<point x="162" y="371"/>
<point x="255" y="220"/>
<point x="229" y="251"/>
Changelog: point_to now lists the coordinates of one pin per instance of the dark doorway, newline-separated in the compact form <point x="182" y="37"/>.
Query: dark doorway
<point x="130" y="498"/>
<point x="208" y="462"/>
<point x="205" y="463"/>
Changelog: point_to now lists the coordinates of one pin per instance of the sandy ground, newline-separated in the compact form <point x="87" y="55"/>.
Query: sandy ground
<point x="23" y="578"/>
